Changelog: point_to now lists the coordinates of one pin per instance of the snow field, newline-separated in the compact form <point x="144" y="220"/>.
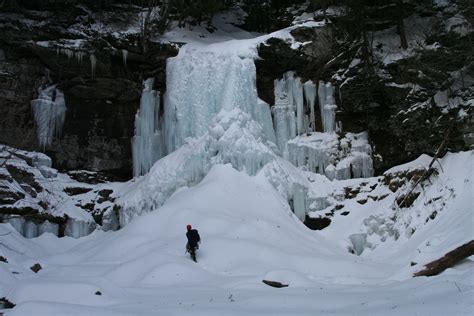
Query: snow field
<point x="248" y="234"/>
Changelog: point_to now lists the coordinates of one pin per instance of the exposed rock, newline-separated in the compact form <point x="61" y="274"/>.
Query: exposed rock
<point x="87" y="206"/>
<point x="100" y="109"/>
<point x="317" y="223"/>
<point x="3" y="259"/>
<point x="407" y="201"/>
<point x="277" y="57"/>
<point x="23" y="176"/>
<point x="36" y="267"/>
<point x="88" y="177"/>
<point x="6" y="304"/>
<point x="7" y="196"/>
<point x="76" y="190"/>
<point x="28" y="189"/>
<point x="31" y="213"/>
<point x="274" y="283"/>
<point x="351" y="193"/>
<point x="105" y="195"/>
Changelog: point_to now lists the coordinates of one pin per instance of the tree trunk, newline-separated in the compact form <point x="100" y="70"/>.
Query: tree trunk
<point x="401" y="26"/>
<point x="449" y="259"/>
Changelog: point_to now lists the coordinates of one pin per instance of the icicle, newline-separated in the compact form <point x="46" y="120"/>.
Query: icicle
<point x="310" y="97"/>
<point x="79" y="56"/>
<point x="147" y="143"/>
<point x="50" y="112"/>
<point x="124" y="56"/>
<point x="93" y="65"/>
<point x="68" y="52"/>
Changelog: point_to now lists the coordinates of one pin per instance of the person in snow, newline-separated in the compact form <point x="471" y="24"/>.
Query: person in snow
<point x="193" y="241"/>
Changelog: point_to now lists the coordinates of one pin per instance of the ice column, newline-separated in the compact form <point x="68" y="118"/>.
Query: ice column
<point x="31" y="229"/>
<point x="147" y="142"/>
<point x="310" y="97"/>
<point x="93" y="64"/>
<point x="49" y="112"/>
<point x="284" y="119"/>
<point x="327" y="105"/>
<point x="300" y="194"/>
<point x="296" y="90"/>
<point x="124" y="57"/>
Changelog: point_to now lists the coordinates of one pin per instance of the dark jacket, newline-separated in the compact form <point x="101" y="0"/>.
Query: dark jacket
<point x="193" y="238"/>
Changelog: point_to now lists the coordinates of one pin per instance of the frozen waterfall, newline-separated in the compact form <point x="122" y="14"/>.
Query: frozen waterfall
<point x="200" y="84"/>
<point x="147" y="143"/>
<point x="49" y="112"/>
<point x="212" y="115"/>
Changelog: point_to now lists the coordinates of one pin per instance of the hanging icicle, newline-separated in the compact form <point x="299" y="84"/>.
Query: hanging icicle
<point x="93" y="65"/>
<point x="124" y="56"/>
<point x="148" y="140"/>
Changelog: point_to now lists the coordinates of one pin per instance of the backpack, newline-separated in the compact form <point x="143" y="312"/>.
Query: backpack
<point x="193" y="236"/>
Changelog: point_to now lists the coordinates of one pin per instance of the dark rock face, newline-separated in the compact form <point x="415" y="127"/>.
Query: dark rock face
<point x="277" y="57"/>
<point x="101" y="107"/>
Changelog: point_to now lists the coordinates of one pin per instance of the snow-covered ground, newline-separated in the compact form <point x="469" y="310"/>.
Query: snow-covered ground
<point x="248" y="234"/>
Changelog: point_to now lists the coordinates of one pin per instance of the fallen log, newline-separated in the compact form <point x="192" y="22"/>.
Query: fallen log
<point x="449" y="259"/>
<point x="274" y="283"/>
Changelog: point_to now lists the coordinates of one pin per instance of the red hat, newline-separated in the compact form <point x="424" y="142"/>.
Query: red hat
<point x="189" y="226"/>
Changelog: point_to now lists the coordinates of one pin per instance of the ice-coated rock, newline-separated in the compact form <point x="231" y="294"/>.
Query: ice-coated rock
<point x="49" y="111"/>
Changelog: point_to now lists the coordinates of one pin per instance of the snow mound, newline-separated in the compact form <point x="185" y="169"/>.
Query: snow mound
<point x="234" y="137"/>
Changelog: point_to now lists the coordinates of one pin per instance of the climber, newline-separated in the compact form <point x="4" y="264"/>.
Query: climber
<point x="193" y="241"/>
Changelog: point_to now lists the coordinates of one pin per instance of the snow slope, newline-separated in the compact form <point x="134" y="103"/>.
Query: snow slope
<point x="248" y="234"/>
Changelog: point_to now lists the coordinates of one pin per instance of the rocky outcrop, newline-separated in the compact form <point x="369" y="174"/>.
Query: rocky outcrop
<point x="35" y="198"/>
<point x="101" y="100"/>
<point x="277" y="57"/>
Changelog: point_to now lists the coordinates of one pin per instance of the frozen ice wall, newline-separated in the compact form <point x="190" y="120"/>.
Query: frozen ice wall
<point x="334" y="156"/>
<point x="200" y="84"/>
<point x="292" y="101"/>
<point x="147" y="143"/>
<point x="49" y="112"/>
